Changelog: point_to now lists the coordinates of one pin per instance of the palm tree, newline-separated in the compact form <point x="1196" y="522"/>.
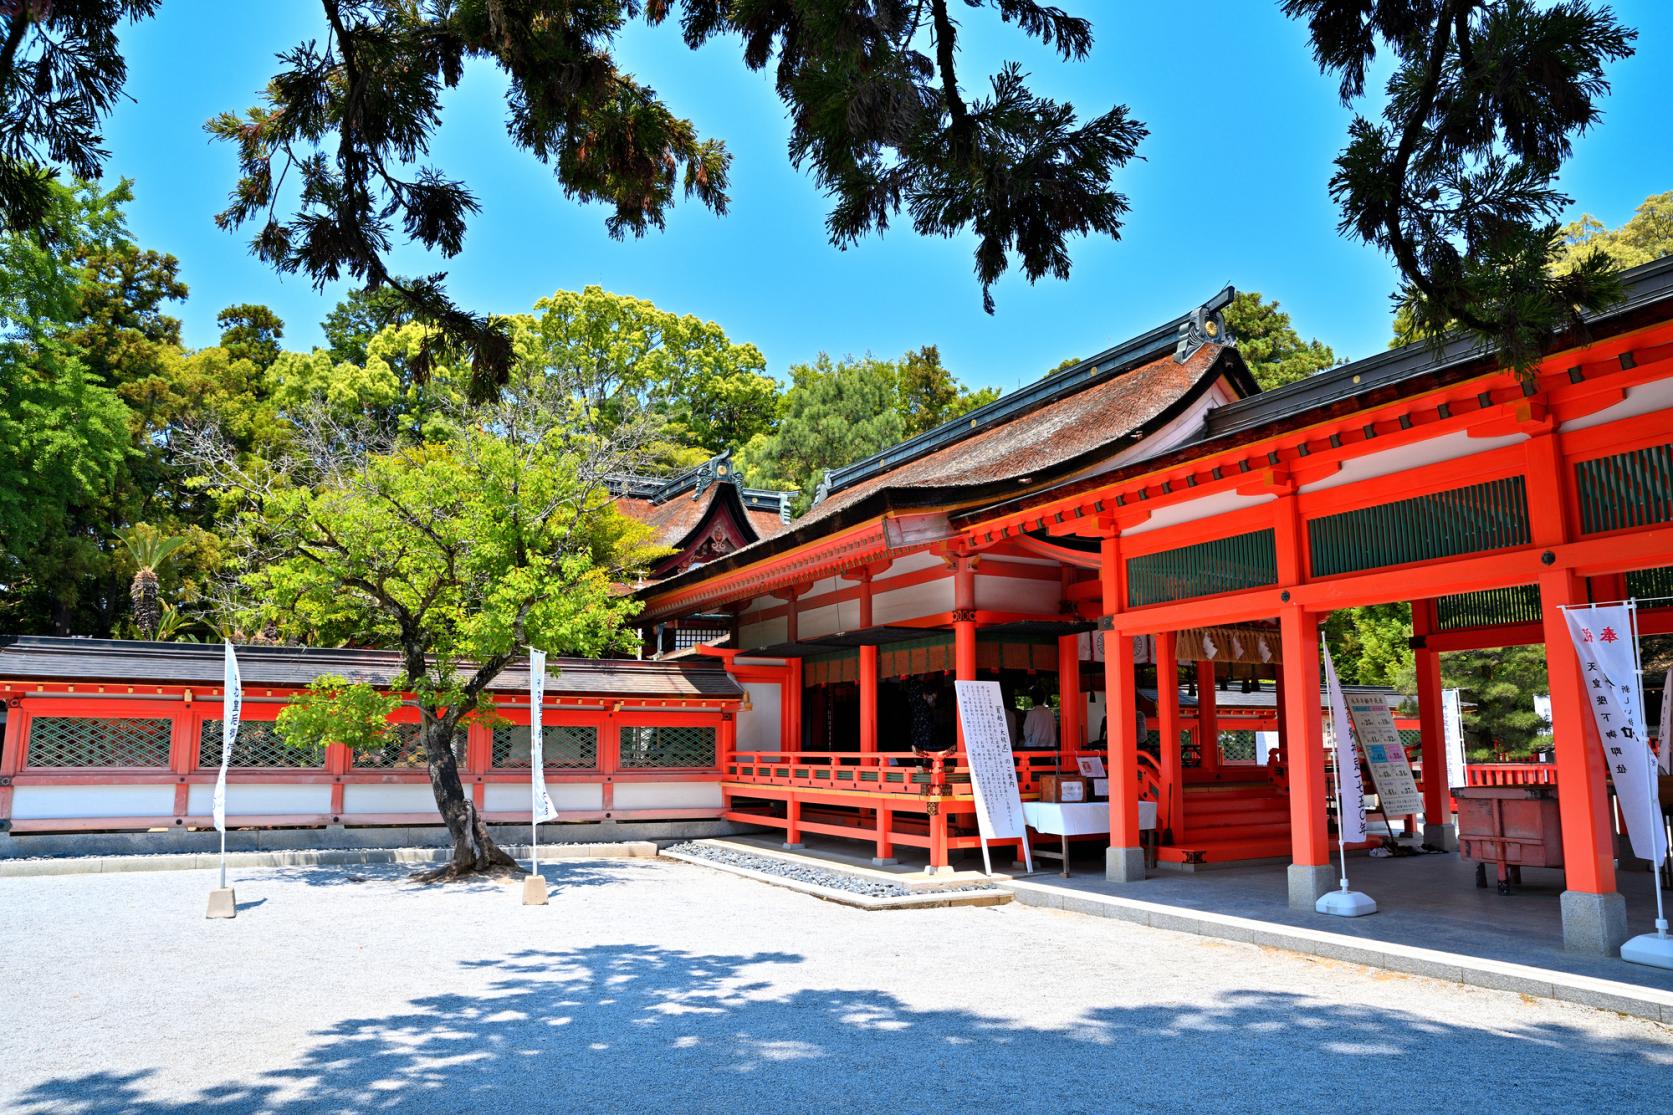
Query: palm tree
<point x="150" y="548"/>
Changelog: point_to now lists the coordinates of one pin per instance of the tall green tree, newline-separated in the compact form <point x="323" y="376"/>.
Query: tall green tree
<point x="1269" y="344"/>
<point x="1645" y="237"/>
<point x="64" y="433"/>
<point x="1457" y="182"/>
<point x="357" y="318"/>
<point x="458" y="554"/>
<point x="930" y="394"/>
<point x="251" y="332"/>
<point x="712" y="393"/>
<point x="836" y="412"/>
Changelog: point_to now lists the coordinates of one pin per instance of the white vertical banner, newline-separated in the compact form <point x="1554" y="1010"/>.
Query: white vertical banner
<point x="1666" y="730"/>
<point x="1350" y="790"/>
<point x="543" y="809"/>
<point x="1603" y="640"/>
<point x="232" y="704"/>
<point x="1452" y="722"/>
<point x="993" y="768"/>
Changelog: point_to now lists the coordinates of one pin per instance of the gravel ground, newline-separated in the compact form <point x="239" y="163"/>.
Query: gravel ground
<point x="657" y="986"/>
<point x="804" y="873"/>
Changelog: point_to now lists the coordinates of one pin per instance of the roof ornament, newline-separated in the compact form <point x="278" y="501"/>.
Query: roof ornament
<point x="1204" y="327"/>
<point x="824" y="488"/>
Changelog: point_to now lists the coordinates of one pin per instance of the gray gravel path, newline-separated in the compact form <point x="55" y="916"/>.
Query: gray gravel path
<point x="655" y="986"/>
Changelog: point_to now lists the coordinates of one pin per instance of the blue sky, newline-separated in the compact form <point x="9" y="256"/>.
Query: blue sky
<point x="1232" y="189"/>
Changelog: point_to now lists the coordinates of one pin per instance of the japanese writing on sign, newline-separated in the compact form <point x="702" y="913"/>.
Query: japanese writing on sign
<point x="993" y="770"/>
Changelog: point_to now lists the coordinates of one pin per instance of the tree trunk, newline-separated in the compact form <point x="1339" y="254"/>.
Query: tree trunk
<point x="474" y="851"/>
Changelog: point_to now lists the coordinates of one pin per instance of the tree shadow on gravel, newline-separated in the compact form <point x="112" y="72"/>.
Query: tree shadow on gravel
<point x="561" y="875"/>
<point x="647" y="1028"/>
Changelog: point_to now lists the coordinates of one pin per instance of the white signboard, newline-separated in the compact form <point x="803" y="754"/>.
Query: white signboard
<point x="1665" y="734"/>
<point x="1379" y="739"/>
<point x="1602" y="635"/>
<point x="1452" y="721"/>
<point x="993" y="769"/>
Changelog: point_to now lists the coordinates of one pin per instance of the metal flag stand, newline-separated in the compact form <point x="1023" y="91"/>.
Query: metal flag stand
<point x="1343" y="903"/>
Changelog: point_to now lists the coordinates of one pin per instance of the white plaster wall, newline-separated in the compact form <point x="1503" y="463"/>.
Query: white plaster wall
<point x="911" y="602"/>
<point x="1015" y="594"/>
<point x="512" y="797"/>
<point x="759" y="726"/>
<point x="668" y="795"/>
<point x="1448" y="447"/>
<point x="1220" y="503"/>
<point x="1646" y="397"/>
<point x="390" y="799"/>
<point x="762" y="633"/>
<point x="43" y="802"/>
<point x="260" y="799"/>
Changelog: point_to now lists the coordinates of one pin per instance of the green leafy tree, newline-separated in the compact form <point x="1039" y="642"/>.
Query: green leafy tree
<point x="458" y="554"/>
<point x="1269" y="344"/>
<point x="64" y="433"/>
<point x="1457" y="181"/>
<point x="251" y="332"/>
<point x="333" y="709"/>
<point x="1371" y="645"/>
<point x="359" y="317"/>
<point x="1646" y="237"/>
<point x="876" y="105"/>
<point x="834" y="412"/>
<point x="712" y="393"/>
<point x="930" y="395"/>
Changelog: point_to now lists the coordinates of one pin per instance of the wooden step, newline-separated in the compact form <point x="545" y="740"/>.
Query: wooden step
<point x="1226" y="851"/>
<point x="1219" y="834"/>
<point x="1272" y="815"/>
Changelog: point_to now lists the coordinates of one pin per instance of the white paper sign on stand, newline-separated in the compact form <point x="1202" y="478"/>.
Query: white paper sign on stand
<point x="1452" y="721"/>
<point x="993" y="769"/>
<point x="1385" y="755"/>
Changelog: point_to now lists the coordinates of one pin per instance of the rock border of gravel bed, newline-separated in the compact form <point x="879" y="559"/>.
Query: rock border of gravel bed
<point x="324" y="857"/>
<point x="780" y="872"/>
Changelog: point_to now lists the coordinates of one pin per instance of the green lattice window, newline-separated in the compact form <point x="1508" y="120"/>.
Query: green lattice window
<point x="646" y="746"/>
<point x="1489" y="516"/>
<point x="1410" y="737"/>
<point x="406" y="750"/>
<point x="1489" y="608"/>
<point x="1651" y="582"/>
<point x="1237" y="745"/>
<point x="1627" y="490"/>
<point x="88" y="741"/>
<point x="569" y="746"/>
<point x="1223" y="565"/>
<point x="259" y="744"/>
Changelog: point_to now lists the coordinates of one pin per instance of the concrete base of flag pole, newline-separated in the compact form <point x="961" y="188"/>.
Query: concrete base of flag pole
<point x="222" y="903"/>
<point x="1347" y="904"/>
<point x="1649" y="948"/>
<point x="534" y="890"/>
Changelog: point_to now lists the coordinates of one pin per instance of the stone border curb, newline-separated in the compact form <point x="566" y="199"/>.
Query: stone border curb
<point x="913" y="880"/>
<point x="928" y="901"/>
<point x="197" y="861"/>
<point x="1496" y="975"/>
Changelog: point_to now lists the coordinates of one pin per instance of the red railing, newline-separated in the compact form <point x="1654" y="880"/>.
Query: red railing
<point x="1510" y="774"/>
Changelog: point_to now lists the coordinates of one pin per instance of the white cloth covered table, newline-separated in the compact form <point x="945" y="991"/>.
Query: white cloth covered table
<point x="1064" y="819"/>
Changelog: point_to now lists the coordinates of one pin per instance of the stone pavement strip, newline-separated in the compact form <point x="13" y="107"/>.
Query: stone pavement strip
<point x="649" y="985"/>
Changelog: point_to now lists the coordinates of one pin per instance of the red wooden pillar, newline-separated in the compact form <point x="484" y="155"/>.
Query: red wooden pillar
<point x="1310" y="875"/>
<point x="868" y="676"/>
<point x="964" y="618"/>
<point x="1167" y="725"/>
<point x="1072" y="713"/>
<point x="1208" y="719"/>
<point x="1438" y="830"/>
<point x="1124" y="862"/>
<point x="1594" y="915"/>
